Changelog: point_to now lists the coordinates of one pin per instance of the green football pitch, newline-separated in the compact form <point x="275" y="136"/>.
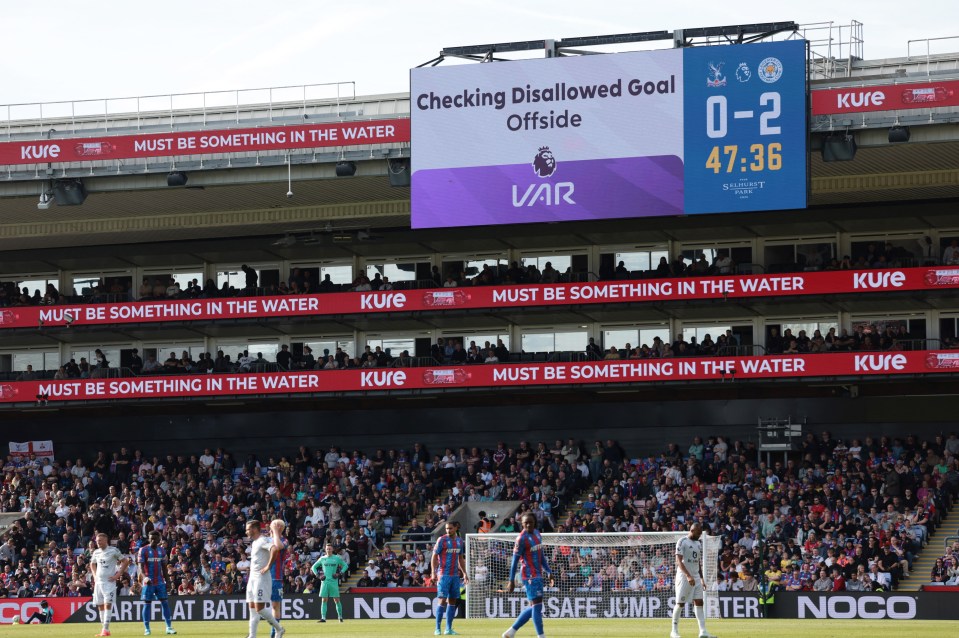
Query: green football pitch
<point x="492" y="629"/>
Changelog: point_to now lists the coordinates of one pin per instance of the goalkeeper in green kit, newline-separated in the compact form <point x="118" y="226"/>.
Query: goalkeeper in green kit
<point x="330" y="588"/>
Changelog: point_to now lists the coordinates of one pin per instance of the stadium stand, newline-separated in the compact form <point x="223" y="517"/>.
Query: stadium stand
<point x="863" y="509"/>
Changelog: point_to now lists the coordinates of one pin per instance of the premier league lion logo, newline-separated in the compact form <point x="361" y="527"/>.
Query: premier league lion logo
<point x="544" y="164"/>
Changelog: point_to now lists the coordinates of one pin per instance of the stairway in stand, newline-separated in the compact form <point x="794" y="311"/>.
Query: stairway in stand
<point x="922" y="565"/>
<point x="375" y="553"/>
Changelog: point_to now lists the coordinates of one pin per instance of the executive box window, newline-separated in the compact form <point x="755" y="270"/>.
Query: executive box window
<point x="558" y="341"/>
<point x="738" y="254"/>
<point x="394" y="346"/>
<point x="40" y="360"/>
<point x="325" y="346"/>
<point x="472" y="265"/>
<point x="398" y="272"/>
<point x="33" y="283"/>
<point x="571" y="267"/>
<point x="268" y="278"/>
<point x="798" y="257"/>
<point x="738" y="338"/>
<point x="635" y="337"/>
<point x="887" y="252"/>
<point x="102" y="287"/>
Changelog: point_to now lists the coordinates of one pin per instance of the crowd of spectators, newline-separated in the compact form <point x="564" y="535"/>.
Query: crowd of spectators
<point x="200" y="504"/>
<point x="854" y="513"/>
<point x="305" y="281"/>
<point x="726" y="344"/>
<point x="862" y="338"/>
<point x="946" y="569"/>
<point x="451" y="351"/>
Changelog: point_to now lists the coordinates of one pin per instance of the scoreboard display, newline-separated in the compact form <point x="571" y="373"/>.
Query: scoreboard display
<point x="745" y="128"/>
<point x="673" y="132"/>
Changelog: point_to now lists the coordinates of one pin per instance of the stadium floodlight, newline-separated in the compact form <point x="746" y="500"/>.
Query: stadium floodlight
<point x="285" y="242"/>
<point x="45" y="201"/>
<point x="898" y="134"/>
<point x="345" y="169"/>
<point x="69" y="192"/>
<point x="176" y="178"/>
<point x="838" y="148"/>
<point x="399" y="171"/>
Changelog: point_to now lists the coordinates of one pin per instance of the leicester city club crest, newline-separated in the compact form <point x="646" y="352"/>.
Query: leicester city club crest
<point x="770" y="70"/>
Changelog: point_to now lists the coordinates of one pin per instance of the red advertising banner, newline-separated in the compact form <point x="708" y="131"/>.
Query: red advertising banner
<point x="23" y="608"/>
<point x="483" y="376"/>
<point x="484" y="297"/>
<point x="886" y="97"/>
<point x="239" y="140"/>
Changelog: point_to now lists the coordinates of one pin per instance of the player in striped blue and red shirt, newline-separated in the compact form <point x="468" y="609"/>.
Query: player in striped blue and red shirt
<point x="152" y="560"/>
<point x="529" y="555"/>
<point x="447" y="563"/>
<point x="277" y="527"/>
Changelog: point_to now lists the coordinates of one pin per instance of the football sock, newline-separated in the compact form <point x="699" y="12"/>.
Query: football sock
<point x="254" y="622"/>
<point x="146" y="613"/>
<point x="165" y="607"/>
<point x="267" y="614"/>
<point x="450" y="615"/>
<point x="700" y="612"/>
<point x="538" y="618"/>
<point x="523" y="618"/>
<point x="677" y="612"/>
<point x="323" y="610"/>
<point x="339" y="609"/>
<point x="440" y="612"/>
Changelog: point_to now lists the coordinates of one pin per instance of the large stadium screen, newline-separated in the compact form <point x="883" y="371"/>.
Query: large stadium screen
<point x="673" y="132"/>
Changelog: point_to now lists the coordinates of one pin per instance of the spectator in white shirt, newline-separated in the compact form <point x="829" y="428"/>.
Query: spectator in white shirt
<point x="950" y="256"/>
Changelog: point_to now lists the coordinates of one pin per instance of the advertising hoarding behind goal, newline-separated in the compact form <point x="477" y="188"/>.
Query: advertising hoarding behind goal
<point x="672" y="132"/>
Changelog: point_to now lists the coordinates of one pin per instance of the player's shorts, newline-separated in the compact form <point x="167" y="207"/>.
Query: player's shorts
<point x="448" y="587"/>
<point x="259" y="590"/>
<point x="154" y="591"/>
<point x="329" y="588"/>
<point x="686" y="592"/>
<point x="104" y="593"/>
<point x="276" y="595"/>
<point x="534" y="588"/>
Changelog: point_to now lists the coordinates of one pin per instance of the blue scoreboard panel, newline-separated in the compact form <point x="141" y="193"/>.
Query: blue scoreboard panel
<point x="745" y="127"/>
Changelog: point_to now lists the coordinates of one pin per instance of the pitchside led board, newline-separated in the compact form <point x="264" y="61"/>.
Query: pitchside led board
<point x="681" y="131"/>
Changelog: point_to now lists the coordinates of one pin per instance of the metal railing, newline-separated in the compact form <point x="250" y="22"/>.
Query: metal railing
<point x="832" y="48"/>
<point x="929" y="55"/>
<point x="754" y="350"/>
<point x="163" y="110"/>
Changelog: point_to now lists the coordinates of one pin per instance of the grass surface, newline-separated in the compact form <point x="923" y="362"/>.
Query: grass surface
<point x="658" y="628"/>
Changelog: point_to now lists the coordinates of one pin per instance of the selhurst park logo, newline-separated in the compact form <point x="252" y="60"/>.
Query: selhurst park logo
<point x="716" y="77"/>
<point x="770" y="70"/>
<point x="544" y="164"/>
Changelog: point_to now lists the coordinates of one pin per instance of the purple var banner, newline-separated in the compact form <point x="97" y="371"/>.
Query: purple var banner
<point x="548" y="190"/>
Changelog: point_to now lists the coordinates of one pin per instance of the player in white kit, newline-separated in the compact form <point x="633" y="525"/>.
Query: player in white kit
<point x="259" y="587"/>
<point x="107" y="566"/>
<point x="689" y="580"/>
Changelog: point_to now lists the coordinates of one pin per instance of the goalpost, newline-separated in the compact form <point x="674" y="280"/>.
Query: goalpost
<point x="597" y="575"/>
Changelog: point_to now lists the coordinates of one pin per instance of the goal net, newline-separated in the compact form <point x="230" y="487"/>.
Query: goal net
<point x="598" y="575"/>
